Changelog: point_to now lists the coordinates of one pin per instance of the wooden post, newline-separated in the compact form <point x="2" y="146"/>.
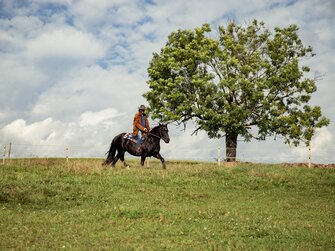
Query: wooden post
<point x="67" y="154"/>
<point x="9" y="150"/>
<point x="219" y="155"/>
<point x="309" y="156"/>
<point x="4" y="155"/>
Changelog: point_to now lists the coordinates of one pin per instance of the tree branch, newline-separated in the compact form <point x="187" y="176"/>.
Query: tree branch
<point x="196" y="131"/>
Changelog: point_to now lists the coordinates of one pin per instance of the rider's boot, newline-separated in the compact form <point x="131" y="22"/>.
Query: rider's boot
<point x="139" y="150"/>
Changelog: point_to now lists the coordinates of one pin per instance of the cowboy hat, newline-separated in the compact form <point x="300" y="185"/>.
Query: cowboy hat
<point x="142" y="107"/>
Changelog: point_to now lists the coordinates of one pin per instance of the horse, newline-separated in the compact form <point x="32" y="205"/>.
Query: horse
<point x="150" y="146"/>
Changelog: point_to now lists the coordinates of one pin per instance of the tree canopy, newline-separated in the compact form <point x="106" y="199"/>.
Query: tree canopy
<point x="247" y="82"/>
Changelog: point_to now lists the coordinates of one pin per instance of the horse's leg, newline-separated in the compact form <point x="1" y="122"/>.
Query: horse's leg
<point x="123" y="161"/>
<point x="106" y="162"/>
<point x="159" y="156"/>
<point x="142" y="160"/>
<point x="115" y="160"/>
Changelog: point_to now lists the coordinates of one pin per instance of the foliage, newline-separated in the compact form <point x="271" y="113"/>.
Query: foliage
<point x="52" y="205"/>
<point x="248" y="82"/>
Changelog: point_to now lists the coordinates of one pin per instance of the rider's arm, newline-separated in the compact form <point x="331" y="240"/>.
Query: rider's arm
<point x="147" y="124"/>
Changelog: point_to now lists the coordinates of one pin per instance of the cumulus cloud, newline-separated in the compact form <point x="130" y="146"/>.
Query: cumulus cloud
<point x="89" y="134"/>
<point x="187" y="147"/>
<point x="64" y="48"/>
<point x="322" y="148"/>
<point x="100" y="117"/>
<point x="36" y="132"/>
<point x="323" y="142"/>
<point x="90" y="88"/>
<point x="88" y="14"/>
<point x="20" y="84"/>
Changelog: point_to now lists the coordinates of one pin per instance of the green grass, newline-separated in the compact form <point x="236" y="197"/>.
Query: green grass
<point x="54" y="205"/>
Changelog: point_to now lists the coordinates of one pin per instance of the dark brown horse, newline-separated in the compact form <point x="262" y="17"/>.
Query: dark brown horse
<point x="150" y="146"/>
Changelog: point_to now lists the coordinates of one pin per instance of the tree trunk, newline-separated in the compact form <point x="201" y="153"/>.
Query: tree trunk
<point x="231" y="145"/>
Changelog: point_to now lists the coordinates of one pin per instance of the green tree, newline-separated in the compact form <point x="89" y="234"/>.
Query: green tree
<point x="247" y="83"/>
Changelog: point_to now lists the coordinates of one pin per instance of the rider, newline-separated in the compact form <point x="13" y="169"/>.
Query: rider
<point x="140" y="126"/>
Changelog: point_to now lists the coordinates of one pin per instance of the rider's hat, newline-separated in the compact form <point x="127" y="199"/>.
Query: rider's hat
<point x="142" y="107"/>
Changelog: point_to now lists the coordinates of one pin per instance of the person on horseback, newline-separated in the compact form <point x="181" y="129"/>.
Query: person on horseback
<point x="140" y="127"/>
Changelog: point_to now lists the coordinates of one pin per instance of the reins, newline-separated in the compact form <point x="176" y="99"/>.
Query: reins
<point x="150" y="133"/>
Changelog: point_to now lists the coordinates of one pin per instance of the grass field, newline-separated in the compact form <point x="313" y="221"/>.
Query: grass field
<point x="52" y="205"/>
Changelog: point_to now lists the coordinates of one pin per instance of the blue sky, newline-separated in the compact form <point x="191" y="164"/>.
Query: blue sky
<point x="72" y="72"/>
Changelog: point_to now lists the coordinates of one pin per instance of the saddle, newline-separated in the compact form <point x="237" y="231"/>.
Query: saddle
<point x="130" y="137"/>
<point x="134" y="139"/>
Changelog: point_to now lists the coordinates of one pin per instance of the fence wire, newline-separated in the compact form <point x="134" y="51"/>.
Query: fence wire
<point x="216" y="154"/>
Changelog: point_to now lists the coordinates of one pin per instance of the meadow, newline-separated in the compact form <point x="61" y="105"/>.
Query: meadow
<point x="51" y="204"/>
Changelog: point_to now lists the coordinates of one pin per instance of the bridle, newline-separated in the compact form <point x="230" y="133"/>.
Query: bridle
<point x="150" y="133"/>
<point x="155" y="135"/>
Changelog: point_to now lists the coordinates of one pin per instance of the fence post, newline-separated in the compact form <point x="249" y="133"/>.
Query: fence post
<point x="4" y="155"/>
<point x="9" y="150"/>
<point x="219" y="155"/>
<point x="67" y="154"/>
<point x="309" y="155"/>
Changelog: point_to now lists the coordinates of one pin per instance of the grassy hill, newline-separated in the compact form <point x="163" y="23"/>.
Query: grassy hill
<point x="54" y="205"/>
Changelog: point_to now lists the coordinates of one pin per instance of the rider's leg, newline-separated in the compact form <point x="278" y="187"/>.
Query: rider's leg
<point x="139" y="141"/>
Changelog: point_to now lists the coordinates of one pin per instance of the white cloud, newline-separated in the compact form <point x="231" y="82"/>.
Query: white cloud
<point x="90" y="88"/>
<point x="187" y="147"/>
<point x="15" y="32"/>
<point x="323" y="141"/>
<point x="64" y="48"/>
<point x="322" y="148"/>
<point x="64" y="2"/>
<point x="20" y="83"/>
<point x="33" y="133"/>
<point x="89" y="14"/>
<point x="95" y="118"/>
<point x="90" y="133"/>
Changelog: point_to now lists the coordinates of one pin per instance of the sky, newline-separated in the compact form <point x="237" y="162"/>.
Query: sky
<point x="72" y="72"/>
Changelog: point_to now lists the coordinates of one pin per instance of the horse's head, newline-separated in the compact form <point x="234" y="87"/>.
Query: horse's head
<point x="164" y="132"/>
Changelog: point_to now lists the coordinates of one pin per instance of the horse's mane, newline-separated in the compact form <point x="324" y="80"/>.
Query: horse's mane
<point x="155" y="128"/>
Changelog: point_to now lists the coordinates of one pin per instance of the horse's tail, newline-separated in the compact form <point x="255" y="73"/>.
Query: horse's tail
<point x="111" y="153"/>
